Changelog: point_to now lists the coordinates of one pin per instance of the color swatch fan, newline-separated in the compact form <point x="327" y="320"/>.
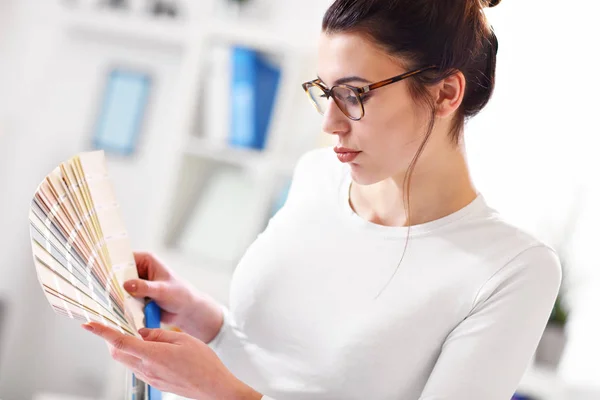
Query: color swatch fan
<point x="81" y="249"/>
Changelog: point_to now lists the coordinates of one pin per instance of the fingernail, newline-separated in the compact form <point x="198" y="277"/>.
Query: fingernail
<point x="144" y="332"/>
<point x="130" y="286"/>
<point x="88" y="327"/>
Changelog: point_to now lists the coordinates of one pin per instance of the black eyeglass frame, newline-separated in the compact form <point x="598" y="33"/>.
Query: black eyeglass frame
<point x="359" y="92"/>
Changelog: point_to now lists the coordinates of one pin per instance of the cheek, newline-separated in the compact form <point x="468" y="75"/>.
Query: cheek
<point x="390" y="137"/>
<point x="391" y="127"/>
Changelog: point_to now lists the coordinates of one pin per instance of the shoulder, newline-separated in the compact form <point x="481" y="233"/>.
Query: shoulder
<point x="487" y="232"/>
<point x="538" y="264"/>
<point x="524" y="263"/>
<point x="496" y="254"/>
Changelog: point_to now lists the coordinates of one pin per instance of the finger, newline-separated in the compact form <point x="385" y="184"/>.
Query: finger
<point x="125" y="343"/>
<point x="143" y="261"/>
<point x="131" y="362"/>
<point x="150" y="267"/>
<point x="161" y="336"/>
<point x="140" y="288"/>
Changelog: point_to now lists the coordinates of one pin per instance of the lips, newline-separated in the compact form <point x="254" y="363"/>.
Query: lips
<point x="339" y="149"/>
<point x="346" y="155"/>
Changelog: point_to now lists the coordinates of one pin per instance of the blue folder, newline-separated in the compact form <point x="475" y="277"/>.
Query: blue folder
<point x="254" y="88"/>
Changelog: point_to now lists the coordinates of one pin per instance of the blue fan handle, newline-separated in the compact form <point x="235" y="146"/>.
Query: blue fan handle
<point x="152" y="316"/>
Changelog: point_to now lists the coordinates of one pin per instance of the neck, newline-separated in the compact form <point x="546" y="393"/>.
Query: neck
<point x="438" y="188"/>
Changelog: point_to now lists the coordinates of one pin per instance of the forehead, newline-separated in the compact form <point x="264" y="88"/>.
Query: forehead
<point x="353" y="54"/>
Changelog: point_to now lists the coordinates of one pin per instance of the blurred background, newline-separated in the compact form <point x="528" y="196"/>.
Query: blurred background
<point x="201" y="159"/>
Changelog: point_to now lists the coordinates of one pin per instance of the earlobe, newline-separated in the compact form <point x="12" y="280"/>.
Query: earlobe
<point x="450" y="94"/>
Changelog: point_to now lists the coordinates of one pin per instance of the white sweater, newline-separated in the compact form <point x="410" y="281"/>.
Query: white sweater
<point x="460" y="320"/>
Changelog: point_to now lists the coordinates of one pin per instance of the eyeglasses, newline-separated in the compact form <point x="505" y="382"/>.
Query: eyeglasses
<point x="348" y="98"/>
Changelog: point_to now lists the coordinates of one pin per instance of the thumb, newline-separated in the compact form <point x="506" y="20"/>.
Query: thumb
<point x="141" y="288"/>
<point x="160" y="335"/>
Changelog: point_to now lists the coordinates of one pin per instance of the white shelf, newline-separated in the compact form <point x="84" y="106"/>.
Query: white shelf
<point x="221" y="152"/>
<point x="260" y="37"/>
<point x="119" y="26"/>
<point x="123" y="27"/>
<point x="249" y="159"/>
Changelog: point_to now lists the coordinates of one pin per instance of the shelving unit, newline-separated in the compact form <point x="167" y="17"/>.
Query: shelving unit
<point x="193" y="39"/>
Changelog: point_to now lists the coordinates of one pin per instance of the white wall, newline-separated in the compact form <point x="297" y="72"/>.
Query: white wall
<point x="54" y="88"/>
<point x="533" y="150"/>
<point x="32" y="325"/>
<point x="13" y="236"/>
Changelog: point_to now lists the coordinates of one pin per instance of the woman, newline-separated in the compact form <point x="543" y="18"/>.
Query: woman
<point x="385" y="275"/>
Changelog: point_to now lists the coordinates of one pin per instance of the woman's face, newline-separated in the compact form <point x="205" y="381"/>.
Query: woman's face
<point x="393" y="126"/>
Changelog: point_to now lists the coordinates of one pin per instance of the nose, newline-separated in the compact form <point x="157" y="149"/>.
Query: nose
<point x="334" y="120"/>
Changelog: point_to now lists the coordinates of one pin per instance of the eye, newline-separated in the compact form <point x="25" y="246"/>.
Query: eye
<point x="352" y="100"/>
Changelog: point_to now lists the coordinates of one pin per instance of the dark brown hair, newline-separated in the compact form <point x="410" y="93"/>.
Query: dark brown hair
<point x="453" y="35"/>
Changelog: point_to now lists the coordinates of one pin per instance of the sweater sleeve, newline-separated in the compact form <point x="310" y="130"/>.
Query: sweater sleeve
<point x="486" y="355"/>
<point x="227" y="334"/>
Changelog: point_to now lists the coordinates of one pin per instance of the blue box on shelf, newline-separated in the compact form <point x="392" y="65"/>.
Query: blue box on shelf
<point x="122" y="111"/>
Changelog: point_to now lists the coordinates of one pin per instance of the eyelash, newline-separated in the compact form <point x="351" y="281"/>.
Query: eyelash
<point x="366" y="97"/>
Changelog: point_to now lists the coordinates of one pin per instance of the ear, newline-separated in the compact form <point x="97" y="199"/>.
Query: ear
<point x="449" y="94"/>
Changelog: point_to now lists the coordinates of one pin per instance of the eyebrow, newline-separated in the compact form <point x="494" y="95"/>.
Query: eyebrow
<point x="347" y="79"/>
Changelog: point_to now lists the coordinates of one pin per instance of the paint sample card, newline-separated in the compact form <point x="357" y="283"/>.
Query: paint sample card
<point x="80" y="246"/>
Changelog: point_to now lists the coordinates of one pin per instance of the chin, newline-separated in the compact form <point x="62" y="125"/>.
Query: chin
<point x="363" y="176"/>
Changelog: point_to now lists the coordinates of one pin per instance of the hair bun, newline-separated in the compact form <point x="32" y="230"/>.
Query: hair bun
<point x="493" y="3"/>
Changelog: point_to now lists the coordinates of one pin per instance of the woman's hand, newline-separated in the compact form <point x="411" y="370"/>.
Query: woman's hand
<point x="195" y="313"/>
<point x="175" y="362"/>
